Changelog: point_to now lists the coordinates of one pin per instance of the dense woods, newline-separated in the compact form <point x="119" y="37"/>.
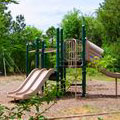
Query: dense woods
<point x="103" y="29"/>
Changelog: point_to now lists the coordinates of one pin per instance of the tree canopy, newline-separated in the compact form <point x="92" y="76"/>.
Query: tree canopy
<point x="71" y="24"/>
<point x="109" y="15"/>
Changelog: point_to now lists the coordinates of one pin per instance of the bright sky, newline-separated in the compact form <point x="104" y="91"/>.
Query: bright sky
<point x="45" y="13"/>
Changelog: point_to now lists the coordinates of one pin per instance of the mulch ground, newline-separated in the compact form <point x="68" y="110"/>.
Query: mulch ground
<point x="100" y="98"/>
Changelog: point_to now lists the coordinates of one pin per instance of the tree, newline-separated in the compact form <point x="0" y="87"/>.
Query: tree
<point x="94" y="30"/>
<point x="109" y="15"/>
<point x="21" y="36"/>
<point x="71" y="24"/>
<point x="5" y="27"/>
<point x="30" y="33"/>
<point x="13" y="37"/>
<point x="51" y="32"/>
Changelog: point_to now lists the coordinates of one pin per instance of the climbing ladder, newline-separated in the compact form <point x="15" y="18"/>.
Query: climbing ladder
<point x="73" y="56"/>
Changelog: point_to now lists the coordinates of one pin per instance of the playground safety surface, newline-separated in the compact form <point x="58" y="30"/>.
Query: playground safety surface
<point x="100" y="99"/>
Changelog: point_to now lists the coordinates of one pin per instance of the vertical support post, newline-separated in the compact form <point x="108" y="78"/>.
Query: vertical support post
<point x="27" y="59"/>
<point x="62" y="62"/>
<point x="57" y="58"/>
<point x="43" y="60"/>
<point x="116" y="87"/>
<point x="83" y="61"/>
<point x="61" y="68"/>
<point x="43" y="55"/>
<point x="37" y="53"/>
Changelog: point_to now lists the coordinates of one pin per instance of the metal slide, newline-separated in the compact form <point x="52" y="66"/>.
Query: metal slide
<point x="33" y="86"/>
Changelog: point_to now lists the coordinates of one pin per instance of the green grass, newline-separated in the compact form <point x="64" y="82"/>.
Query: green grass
<point x="101" y="77"/>
<point x="92" y="74"/>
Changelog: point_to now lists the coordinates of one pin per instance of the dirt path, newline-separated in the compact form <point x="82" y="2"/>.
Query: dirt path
<point x="100" y="98"/>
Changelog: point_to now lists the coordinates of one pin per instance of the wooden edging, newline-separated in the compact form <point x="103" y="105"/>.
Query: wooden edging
<point x="80" y="116"/>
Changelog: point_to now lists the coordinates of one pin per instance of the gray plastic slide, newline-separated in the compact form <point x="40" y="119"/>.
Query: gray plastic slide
<point x="33" y="85"/>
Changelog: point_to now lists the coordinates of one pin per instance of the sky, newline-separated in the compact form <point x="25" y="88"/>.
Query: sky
<point x="45" y="13"/>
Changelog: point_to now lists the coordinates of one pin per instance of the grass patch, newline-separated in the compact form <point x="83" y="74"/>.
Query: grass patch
<point x="85" y="109"/>
<point x="92" y="74"/>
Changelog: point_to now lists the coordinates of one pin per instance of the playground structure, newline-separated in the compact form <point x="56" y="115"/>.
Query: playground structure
<point x="70" y="53"/>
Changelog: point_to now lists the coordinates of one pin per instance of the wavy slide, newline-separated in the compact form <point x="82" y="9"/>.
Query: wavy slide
<point x="32" y="84"/>
<point x="93" y="50"/>
<point x="110" y="74"/>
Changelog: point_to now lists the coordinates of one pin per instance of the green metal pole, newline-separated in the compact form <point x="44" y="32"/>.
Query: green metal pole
<point x="27" y="60"/>
<point x="57" y="58"/>
<point x="61" y="66"/>
<point x="37" y="53"/>
<point x="43" y="55"/>
<point x="83" y="61"/>
<point x="62" y="60"/>
<point x="43" y="60"/>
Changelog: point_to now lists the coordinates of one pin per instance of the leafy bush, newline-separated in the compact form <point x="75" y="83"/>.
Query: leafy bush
<point x="26" y="106"/>
<point x="113" y="50"/>
<point x="104" y="63"/>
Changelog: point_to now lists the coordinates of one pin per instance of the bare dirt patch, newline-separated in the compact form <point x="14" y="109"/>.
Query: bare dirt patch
<point x="8" y="84"/>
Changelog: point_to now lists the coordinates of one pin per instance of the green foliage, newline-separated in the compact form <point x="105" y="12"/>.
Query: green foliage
<point x="113" y="50"/>
<point x="91" y="71"/>
<point x="30" y="33"/>
<point x="94" y="30"/>
<point x="15" y="43"/>
<point x="100" y="118"/>
<point x="5" y="28"/>
<point x="109" y="15"/>
<point x="71" y="24"/>
<point x="13" y="38"/>
<point x="104" y="63"/>
<point x="51" y="32"/>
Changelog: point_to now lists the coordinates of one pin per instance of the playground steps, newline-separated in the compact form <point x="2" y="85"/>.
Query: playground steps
<point x="78" y="84"/>
<point x="73" y="65"/>
<point x="75" y="89"/>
